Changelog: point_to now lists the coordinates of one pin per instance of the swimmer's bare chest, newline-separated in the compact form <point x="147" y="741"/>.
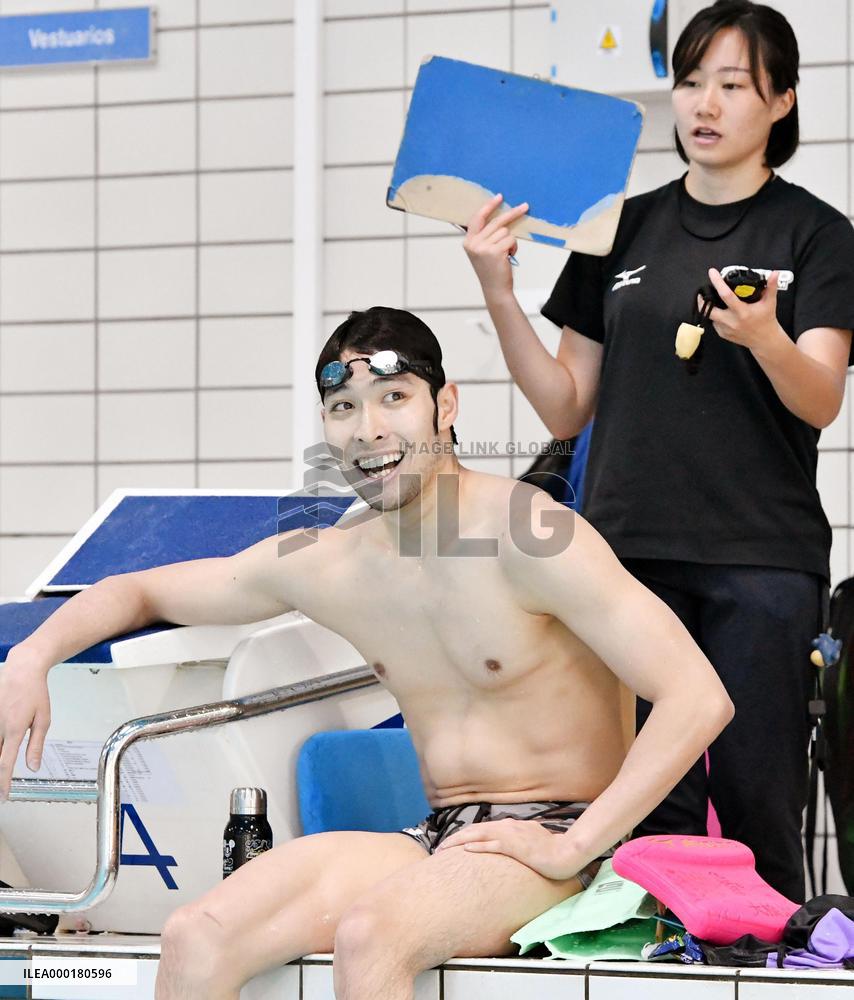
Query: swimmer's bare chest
<point x="450" y="623"/>
<point x="502" y="701"/>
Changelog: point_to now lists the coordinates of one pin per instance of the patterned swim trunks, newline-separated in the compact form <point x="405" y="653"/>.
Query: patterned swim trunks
<point x="557" y="817"/>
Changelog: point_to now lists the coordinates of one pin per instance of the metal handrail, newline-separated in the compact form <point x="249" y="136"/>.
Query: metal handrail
<point x="105" y="791"/>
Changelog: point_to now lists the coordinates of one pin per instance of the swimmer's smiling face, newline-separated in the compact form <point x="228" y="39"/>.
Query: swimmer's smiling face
<point x="386" y="429"/>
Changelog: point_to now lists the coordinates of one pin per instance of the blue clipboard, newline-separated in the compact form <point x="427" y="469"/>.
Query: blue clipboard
<point x="472" y="132"/>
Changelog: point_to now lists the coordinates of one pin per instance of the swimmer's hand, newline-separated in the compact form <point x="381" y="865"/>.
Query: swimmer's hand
<point x="490" y="244"/>
<point x="751" y="325"/>
<point x="527" y="841"/>
<point x="24" y="704"/>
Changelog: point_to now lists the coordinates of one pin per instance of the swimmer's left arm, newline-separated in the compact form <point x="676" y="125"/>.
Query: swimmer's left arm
<point x="647" y="647"/>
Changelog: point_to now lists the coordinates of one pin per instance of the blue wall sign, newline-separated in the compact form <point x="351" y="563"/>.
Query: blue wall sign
<point x="87" y="36"/>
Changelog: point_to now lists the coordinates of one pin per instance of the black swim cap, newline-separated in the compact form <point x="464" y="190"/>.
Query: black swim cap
<point x="382" y="328"/>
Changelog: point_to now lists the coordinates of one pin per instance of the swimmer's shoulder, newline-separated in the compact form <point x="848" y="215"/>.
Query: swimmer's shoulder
<point x="516" y="510"/>
<point x="537" y="528"/>
<point x="313" y="549"/>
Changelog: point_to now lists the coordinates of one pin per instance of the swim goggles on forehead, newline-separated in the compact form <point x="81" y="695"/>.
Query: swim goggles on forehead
<point x="382" y="363"/>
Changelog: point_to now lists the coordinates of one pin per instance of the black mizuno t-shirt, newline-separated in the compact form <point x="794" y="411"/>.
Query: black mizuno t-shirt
<point x="708" y="467"/>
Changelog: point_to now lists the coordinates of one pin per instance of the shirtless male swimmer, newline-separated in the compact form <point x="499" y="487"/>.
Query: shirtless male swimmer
<point x="507" y="668"/>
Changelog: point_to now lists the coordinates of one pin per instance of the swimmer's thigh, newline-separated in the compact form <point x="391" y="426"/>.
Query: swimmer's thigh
<point x="287" y="902"/>
<point x="455" y="904"/>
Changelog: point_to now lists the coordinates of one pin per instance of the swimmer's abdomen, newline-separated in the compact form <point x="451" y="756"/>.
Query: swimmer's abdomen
<point x="554" y="734"/>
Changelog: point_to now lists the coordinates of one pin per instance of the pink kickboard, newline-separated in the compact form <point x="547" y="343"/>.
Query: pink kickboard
<point x="710" y="883"/>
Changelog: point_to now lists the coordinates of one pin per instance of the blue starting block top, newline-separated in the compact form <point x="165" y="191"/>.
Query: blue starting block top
<point x="20" y="619"/>
<point x="142" y="531"/>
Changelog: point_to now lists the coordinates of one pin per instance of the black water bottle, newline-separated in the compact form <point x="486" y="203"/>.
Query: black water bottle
<point x="248" y="833"/>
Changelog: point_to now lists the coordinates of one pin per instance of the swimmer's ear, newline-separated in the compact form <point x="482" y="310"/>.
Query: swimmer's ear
<point x="448" y="405"/>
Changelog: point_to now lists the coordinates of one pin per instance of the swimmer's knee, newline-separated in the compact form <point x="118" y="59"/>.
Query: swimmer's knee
<point x="357" y="931"/>
<point x="366" y="933"/>
<point x="194" y="941"/>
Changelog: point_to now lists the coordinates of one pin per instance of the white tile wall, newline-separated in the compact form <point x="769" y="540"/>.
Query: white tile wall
<point x="462" y="5"/>
<point x="470" y="348"/>
<point x="782" y="991"/>
<point x="171" y="76"/>
<point x="229" y="12"/>
<point x="346" y="42"/>
<point x="134" y="211"/>
<point x="47" y="286"/>
<point x="354" y="203"/>
<point x="359" y="274"/>
<point x="837" y="434"/>
<point x="246" y="133"/>
<point x="479" y="37"/>
<point x="246" y="475"/>
<point x="45" y="498"/>
<point x="528" y="428"/>
<point x="47" y="144"/>
<point x="171" y="13"/>
<point x="477" y="985"/>
<point x="246" y="205"/>
<point x="47" y="358"/>
<point x="363" y="128"/>
<point x="245" y="279"/>
<point x="362" y="8"/>
<point x="146" y="426"/>
<point x="823" y="169"/>
<point x="317" y="984"/>
<point x="484" y="418"/>
<point x="832" y="473"/>
<point x="23" y="558"/>
<point x="652" y="169"/>
<point x="34" y="6"/>
<point x="246" y="60"/>
<point x="245" y="423"/>
<point x="634" y="988"/>
<point x="531" y="42"/>
<point x="154" y="354"/>
<point x="57" y="428"/>
<point x="657" y="132"/>
<point x="536" y="272"/>
<point x="48" y="87"/>
<point x="40" y="216"/>
<point x="439" y="265"/>
<point x="283" y="984"/>
<point x="251" y="351"/>
<point x="820" y="118"/>
<point x="146" y="283"/>
<point x="140" y="139"/>
<point x="839" y="556"/>
<point x="821" y="29"/>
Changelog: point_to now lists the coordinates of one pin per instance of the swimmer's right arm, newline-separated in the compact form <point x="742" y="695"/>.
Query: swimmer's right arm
<point x="242" y="588"/>
<point x="562" y="390"/>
